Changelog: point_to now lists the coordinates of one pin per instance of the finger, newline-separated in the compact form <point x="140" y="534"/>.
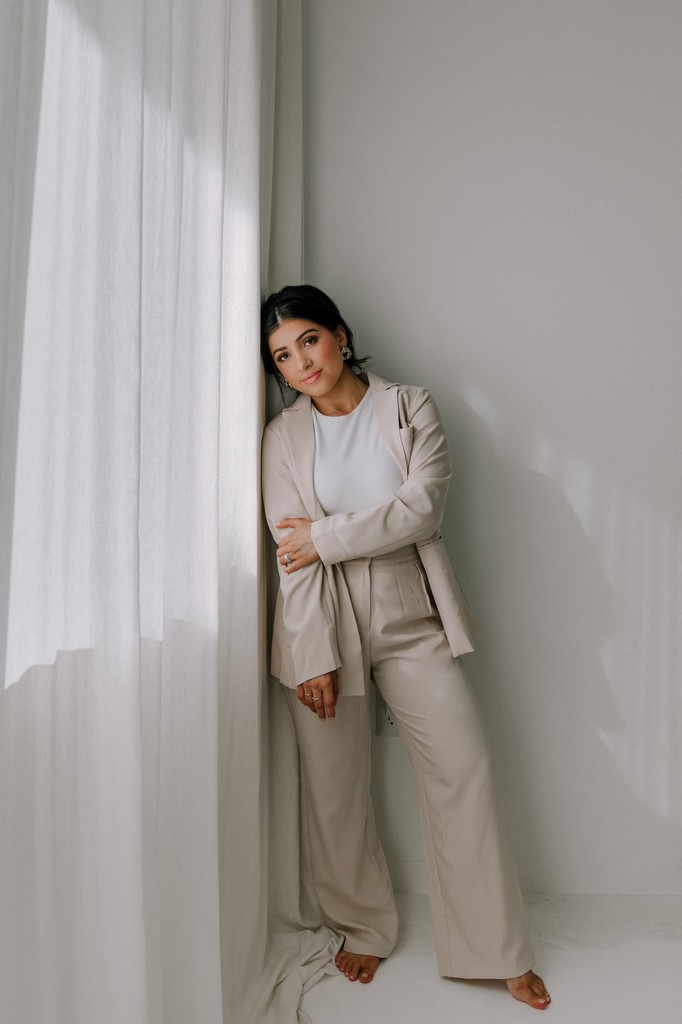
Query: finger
<point x="317" y="702"/>
<point x="289" y="523"/>
<point x="291" y="561"/>
<point x="299" y="563"/>
<point x="329" y="699"/>
<point x="329" y="702"/>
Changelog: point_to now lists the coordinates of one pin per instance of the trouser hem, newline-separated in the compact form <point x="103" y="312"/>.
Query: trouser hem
<point x="503" y="972"/>
<point x="382" y="950"/>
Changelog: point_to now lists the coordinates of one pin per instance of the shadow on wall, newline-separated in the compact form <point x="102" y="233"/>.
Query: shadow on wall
<point x="576" y="667"/>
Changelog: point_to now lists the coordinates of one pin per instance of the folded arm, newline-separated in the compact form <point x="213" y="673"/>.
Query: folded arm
<point x="412" y="514"/>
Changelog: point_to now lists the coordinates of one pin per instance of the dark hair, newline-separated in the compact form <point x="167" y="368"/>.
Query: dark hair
<point x="301" y="302"/>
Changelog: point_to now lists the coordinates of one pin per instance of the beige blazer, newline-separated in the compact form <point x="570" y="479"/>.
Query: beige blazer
<point x="314" y="628"/>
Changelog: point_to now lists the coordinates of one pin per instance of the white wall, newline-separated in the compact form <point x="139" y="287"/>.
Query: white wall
<point x="493" y="196"/>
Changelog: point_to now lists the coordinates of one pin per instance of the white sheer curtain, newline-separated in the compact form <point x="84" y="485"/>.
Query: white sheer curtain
<point x="137" y="223"/>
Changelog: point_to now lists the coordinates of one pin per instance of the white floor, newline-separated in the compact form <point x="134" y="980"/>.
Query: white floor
<point x="605" y="959"/>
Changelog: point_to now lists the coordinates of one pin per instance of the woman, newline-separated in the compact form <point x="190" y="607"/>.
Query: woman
<point x="355" y="475"/>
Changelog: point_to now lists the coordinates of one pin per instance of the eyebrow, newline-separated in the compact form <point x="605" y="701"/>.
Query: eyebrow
<point x="283" y="348"/>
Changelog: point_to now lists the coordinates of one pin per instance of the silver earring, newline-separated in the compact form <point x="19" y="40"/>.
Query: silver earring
<point x="285" y="382"/>
<point x="346" y="352"/>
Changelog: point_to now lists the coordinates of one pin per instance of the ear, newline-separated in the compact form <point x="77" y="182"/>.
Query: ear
<point x="341" y="336"/>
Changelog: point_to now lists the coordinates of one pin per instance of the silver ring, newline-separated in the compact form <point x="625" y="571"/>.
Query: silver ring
<point x="288" y="559"/>
<point x="315" y="699"/>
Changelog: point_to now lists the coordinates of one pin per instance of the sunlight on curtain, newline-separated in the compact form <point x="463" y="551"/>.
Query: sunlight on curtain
<point x="135" y="204"/>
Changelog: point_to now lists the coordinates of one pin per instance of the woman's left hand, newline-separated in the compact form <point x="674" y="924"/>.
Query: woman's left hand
<point x="296" y="549"/>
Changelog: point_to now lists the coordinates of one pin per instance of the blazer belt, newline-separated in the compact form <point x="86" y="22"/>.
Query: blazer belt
<point x="405" y="554"/>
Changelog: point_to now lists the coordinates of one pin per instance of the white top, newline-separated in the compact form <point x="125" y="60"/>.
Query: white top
<point x="353" y="468"/>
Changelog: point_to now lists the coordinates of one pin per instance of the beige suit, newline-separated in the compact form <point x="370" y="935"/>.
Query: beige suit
<point x="383" y="602"/>
<point x="314" y="601"/>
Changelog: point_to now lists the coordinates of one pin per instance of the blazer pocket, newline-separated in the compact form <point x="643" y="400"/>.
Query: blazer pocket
<point x="425" y="587"/>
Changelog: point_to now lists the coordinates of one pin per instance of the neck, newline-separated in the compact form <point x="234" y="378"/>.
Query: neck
<point x="346" y="395"/>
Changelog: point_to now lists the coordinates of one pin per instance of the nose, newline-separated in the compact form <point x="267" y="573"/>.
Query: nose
<point x="304" y="359"/>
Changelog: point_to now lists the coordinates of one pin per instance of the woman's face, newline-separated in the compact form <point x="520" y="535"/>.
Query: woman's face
<point x="308" y="356"/>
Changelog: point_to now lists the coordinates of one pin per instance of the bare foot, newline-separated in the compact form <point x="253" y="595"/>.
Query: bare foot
<point x="529" y="988"/>
<point x="357" y="966"/>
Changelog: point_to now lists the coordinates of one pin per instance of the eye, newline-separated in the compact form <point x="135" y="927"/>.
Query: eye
<point x="282" y="356"/>
<point x="310" y="340"/>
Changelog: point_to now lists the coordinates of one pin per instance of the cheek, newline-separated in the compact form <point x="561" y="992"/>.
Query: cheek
<point x="287" y="371"/>
<point x="332" y="351"/>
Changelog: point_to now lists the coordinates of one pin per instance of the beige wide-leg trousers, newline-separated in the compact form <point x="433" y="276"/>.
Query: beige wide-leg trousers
<point x="478" y="917"/>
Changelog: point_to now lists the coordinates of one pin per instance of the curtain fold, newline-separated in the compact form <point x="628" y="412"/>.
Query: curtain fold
<point x="142" y="210"/>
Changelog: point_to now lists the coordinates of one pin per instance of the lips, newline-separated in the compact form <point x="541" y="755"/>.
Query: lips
<point x="312" y="378"/>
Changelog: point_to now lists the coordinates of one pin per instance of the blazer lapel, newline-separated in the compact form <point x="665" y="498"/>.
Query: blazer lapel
<point x="298" y="421"/>
<point x="385" y="399"/>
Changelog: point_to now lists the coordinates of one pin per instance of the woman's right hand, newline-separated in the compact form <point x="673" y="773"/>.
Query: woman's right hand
<point x="320" y="694"/>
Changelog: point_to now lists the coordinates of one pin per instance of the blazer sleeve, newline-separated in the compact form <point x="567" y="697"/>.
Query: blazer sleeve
<point x="413" y="513"/>
<point x="307" y="613"/>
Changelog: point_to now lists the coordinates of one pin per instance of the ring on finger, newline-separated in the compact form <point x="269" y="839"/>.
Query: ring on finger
<point x="315" y="699"/>
<point x="287" y="558"/>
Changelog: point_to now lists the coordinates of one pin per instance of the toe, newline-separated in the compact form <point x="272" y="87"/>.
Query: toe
<point x="368" y="969"/>
<point x="529" y="988"/>
<point x="357" y="967"/>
